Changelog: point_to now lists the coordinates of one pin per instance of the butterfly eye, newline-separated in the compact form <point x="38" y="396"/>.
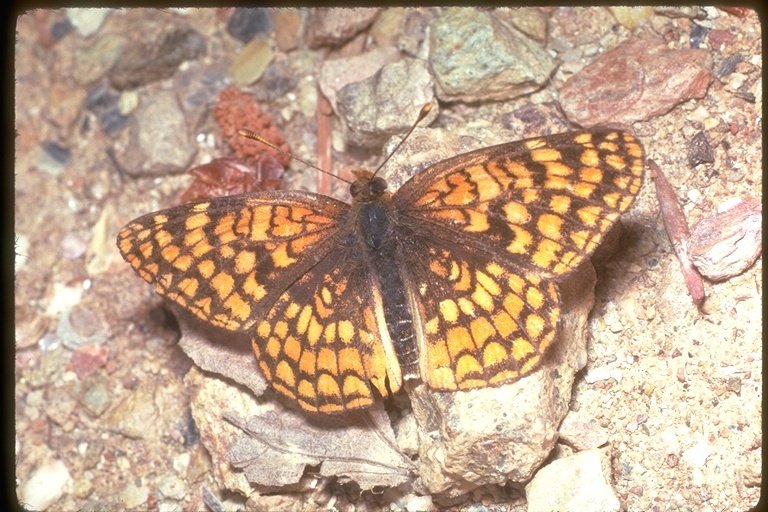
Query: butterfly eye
<point x="378" y="186"/>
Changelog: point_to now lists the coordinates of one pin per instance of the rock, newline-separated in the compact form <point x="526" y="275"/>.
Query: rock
<point x="45" y="485"/>
<point x="580" y="482"/>
<point x="475" y="57"/>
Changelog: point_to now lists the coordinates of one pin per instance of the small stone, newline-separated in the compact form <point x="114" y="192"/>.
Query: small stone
<point x="631" y="17"/>
<point x="728" y="243"/>
<point x="53" y="158"/>
<point x="250" y="64"/>
<point x="473" y="57"/>
<point x="734" y="384"/>
<point x="337" y="73"/>
<point x="637" y="80"/>
<point x="133" y="496"/>
<point x="157" y="59"/>
<point x="97" y="59"/>
<point x="172" y="487"/>
<point x="80" y="326"/>
<point x="45" y="485"/>
<point x="700" y="151"/>
<point x="96" y="398"/>
<point x="334" y="27"/>
<point x="89" y="358"/>
<point x="582" y="435"/>
<point x="697" y="455"/>
<point x="288" y="28"/>
<point x="86" y="20"/>
<point x="582" y="483"/>
<point x="247" y="23"/>
<point x="134" y="414"/>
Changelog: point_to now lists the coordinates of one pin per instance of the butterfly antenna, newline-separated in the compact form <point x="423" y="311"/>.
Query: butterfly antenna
<point x="248" y="134"/>
<point x="422" y="114"/>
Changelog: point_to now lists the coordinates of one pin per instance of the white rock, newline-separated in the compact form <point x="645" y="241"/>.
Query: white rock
<point x="46" y="485"/>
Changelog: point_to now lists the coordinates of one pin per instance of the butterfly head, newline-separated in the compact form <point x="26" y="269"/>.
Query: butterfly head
<point x="367" y="187"/>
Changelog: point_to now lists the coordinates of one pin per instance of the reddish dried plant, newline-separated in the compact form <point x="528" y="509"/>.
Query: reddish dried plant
<point x="235" y="110"/>
<point x="227" y="176"/>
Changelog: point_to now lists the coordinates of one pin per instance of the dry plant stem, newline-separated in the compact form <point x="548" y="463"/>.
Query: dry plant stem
<point x="324" y="145"/>
<point x="677" y="230"/>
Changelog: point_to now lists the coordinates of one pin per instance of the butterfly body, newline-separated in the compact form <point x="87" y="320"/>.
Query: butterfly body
<point x="451" y="279"/>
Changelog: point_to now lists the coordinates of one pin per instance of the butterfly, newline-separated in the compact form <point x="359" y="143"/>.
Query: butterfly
<point x="451" y="279"/>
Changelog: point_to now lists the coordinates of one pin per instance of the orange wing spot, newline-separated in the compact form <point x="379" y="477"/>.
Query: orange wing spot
<point x="556" y="183"/>
<point x="590" y="158"/>
<point x="302" y="324"/>
<point x="616" y="161"/>
<point x="286" y="228"/>
<point x="546" y="253"/>
<point x="452" y="216"/>
<point x="183" y="262"/>
<point x="198" y="220"/>
<point x="329" y="333"/>
<point x="438" y="268"/>
<point x="465" y="279"/>
<point x="280" y="257"/>
<point x="513" y="305"/>
<point x="443" y="379"/>
<point x="449" y="311"/>
<point x="284" y="372"/>
<point x="327" y="386"/>
<point x="461" y="191"/>
<point x="495" y="269"/>
<point x="584" y="139"/>
<point x="437" y="355"/>
<point x="466" y="306"/>
<point x="550" y="226"/>
<point x="611" y="147"/>
<point x="353" y="386"/>
<point x="591" y="174"/>
<point x="503" y="377"/>
<point x="260" y="224"/>
<point x="281" y="329"/>
<point x="529" y="365"/>
<point x="292" y="348"/>
<point x="560" y="204"/>
<point x="255" y="290"/>
<point x="308" y="362"/>
<point x="459" y="340"/>
<point x="170" y="252"/>
<point x="466" y="365"/>
<point x="189" y="286"/>
<point x="264" y="329"/>
<point x="245" y="261"/>
<point x="487" y="187"/>
<point x="314" y="332"/>
<point x="431" y="326"/>
<point x="349" y="361"/>
<point x="545" y="155"/>
<point x="488" y="283"/>
<point x="589" y="215"/>
<point x="557" y="169"/>
<point x="494" y="353"/>
<point x="146" y="250"/>
<point x="304" y="242"/>
<point x="238" y="307"/>
<point x="273" y="347"/>
<point x="545" y="341"/>
<point x="206" y="268"/>
<point x="346" y="331"/>
<point x="201" y="248"/>
<point x="534" y="297"/>
<point x="516" y="213"/>
<point x="521" y="242"/>
<point x="482" y="298"/>
<point x="531" y="196"/>
<point x="612" y="200"/>
<point x="534" y="325"/>
<point x="226" y="251"/>
<point x="481" y="330"/>
<point x="504" y="324"/>
<point x="306" y="390"/>
<point x="478" y="222"/>
<point x="580" y="239"/>
<point x="583" y="189"/>
<point x="427" y="199"/>
<point x="326" y="360"/>
<point x="266" y="370"/>
<point x="521" y="348"/>
<point x="223" y="284"/>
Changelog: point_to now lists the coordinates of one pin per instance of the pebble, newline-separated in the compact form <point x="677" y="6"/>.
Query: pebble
<point x="87" y="21"/>
<point x="252" y="62"/>
<point x="581" y="484"/>
<point x="335" y="26"/>
<point x="79" y="326"/>
<point x="46" y="485"/>
<point x="96" y="398"/>
<point x="697" y="455"/>
<point x="638" y="80"/>
<point x="247" y="23"/>
<point x="474" y="57"/>
<point x="93" y="62"/>
<point x="134" y="414"/>
<point x="53" y="158"/>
